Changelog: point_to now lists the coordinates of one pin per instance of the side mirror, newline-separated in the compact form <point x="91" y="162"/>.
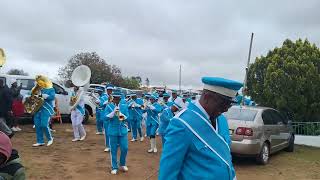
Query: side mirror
<point x="65" y="93"/>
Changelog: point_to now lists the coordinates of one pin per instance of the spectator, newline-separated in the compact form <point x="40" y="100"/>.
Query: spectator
<point x="5" y="101"/>
<point x="17" y="106"/>
<point x="10" y="163"/>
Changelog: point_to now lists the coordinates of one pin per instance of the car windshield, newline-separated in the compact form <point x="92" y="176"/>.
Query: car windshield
<point x="241" y="114"/>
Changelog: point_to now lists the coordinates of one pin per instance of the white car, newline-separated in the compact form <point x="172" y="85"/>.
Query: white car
<point x="63" y="94"/>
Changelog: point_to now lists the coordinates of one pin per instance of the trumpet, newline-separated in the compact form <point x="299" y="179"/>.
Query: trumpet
<point x="119" y="115"/>
<point x="146" y="104"/>
<point x="94" y="99"/>
<point x="110" y="98"/>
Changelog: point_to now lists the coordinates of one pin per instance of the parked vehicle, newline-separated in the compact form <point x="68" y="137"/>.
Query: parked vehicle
<point x="63" y="94"/>
<point x="259" y="132"/>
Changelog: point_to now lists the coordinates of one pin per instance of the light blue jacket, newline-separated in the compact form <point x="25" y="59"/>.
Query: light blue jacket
<point x="115" y="126"/>
<point x="48" y="102"/>
<point x="164" y="120"/>
<point x="152" y="114"/>
<point x="135" y="113"/>
<point x="194" y="150"/>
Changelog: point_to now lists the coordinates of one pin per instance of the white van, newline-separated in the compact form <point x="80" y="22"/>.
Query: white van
<point x="63" y="94"/>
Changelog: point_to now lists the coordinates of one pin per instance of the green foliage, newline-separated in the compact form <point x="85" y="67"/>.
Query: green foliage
<point x="17" y="72"/>
<point x="131" y="83"/>
<point x="101" y="71"/>
<point x="288" y="79"/>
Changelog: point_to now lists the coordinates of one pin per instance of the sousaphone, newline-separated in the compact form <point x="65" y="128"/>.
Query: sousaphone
<point x="2" y="57"/>
<point x="81" y="78"/>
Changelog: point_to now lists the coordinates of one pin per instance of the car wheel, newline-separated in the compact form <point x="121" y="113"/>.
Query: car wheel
<point x="264" y="155"/>
<point x="86" y="117"/>
<point x="290" y="147"/>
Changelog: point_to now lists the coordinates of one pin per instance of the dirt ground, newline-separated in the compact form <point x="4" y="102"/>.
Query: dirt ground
<point x="86" y="160"/>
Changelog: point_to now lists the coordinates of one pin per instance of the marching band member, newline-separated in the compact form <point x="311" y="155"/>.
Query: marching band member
<point x="135" y="109"/>
<point x="174" y="96"/>
<point x="165" y="117"/>
<point x="128" y="99"/>
<point x="43" y="116"/>
<point x="166" y="97"/>
<point x="125" y="109"/>
<point x="117" y="132"/>
<point x="153" y="109"/>
<point x="146" y="100"/>
<point x="105" y="122"/>
<point x="194" y="139"/>
<point x="77" y="115"/>
<point x="103" y="97"/>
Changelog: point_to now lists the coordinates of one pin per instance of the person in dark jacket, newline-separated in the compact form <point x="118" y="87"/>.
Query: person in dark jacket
<point x="17" y="106"/>
<point x="5" y="100"/>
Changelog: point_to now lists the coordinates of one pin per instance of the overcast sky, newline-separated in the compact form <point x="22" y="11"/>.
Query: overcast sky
<point x="151" y="38"/>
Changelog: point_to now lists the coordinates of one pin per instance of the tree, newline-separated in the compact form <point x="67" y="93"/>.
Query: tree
<point x="130" y="83"/>
<point x="100" y="70"/>
<point x="137" y="78"/>
<point x="17" y="72"/>
<point x="288" y="79"/>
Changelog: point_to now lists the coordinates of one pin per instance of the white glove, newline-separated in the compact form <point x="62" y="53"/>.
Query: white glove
<point x="152" y="107"/>
<point x="45" y="96"/>
<point x="111" y="115"/>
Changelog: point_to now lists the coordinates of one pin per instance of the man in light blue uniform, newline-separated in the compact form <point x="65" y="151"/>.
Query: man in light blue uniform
<point x="135" y="111"/>
<point x="194" y="147"/>
<point x="128" y="99"/>
<point x="99" y="110"/>
<point x="117" y="132"/>
<point x="165" y="117"/>
<point x="165" y="102"/>
<point x="43" y="116"/>
<point x="152" y="123"/>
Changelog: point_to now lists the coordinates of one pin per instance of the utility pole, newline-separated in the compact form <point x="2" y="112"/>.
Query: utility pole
<point x="180" y="80"/>
<point x="247" y="69"/>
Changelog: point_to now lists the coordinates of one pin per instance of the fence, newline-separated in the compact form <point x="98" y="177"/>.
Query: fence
<point x="306" y="128"/>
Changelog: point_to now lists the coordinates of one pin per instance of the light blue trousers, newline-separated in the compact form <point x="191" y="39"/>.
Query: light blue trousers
<point x="99" y="121"/>
<point x="106" y="137"/>
<point x="122" y="141"/>
<point x="136" y="127"/>
<point x="41" y="122"/>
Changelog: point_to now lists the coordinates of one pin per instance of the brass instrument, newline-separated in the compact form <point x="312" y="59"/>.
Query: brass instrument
<point x="110" y="98"/>
<point x="94" y="99"/>
<point x="2" y="57"/>
<point x="73" y="100"/>
<point x="119" y="115"/>
<point x="33" y="103"/>
<point x="145" y="105"/>
<point x="81" y="78"/>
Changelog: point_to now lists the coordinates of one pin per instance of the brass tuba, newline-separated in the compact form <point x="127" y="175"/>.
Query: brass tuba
<point x="2" y="57"/>
<point x="33" y="103"/>
<point x="81" y="78"/>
